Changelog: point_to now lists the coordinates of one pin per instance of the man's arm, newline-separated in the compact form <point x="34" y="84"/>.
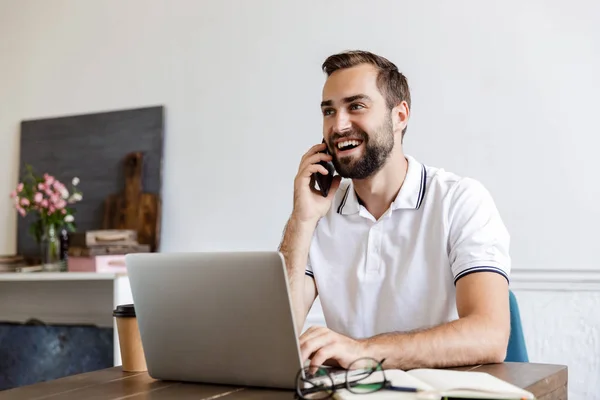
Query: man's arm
<point x="294" y="248"/>
<point x="480" y="262"/>
<point x="309" y="207"/>
<point x="479" y="336"/>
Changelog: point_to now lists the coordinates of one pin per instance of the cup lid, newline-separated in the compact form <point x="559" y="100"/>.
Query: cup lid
<point x="124" y="310"/>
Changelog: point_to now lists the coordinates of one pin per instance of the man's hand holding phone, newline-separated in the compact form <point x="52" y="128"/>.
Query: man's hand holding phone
<point x="309" y="206"/>
<point x="309" y="203"/>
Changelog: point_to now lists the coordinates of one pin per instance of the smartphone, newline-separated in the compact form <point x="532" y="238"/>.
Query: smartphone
<point x="324" y="181"/>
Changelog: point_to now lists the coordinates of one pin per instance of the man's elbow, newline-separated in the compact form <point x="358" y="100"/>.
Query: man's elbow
<point x="498" y="345"/>
<point x="497" y="355"/>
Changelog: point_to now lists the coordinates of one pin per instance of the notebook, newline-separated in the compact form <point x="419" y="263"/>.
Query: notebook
<point x="440" y="383"/>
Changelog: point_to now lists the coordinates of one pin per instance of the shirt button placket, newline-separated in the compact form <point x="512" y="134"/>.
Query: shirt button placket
<point x="374" y="256"/>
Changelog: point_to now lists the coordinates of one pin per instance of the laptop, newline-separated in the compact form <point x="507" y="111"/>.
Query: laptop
<point x="216" y="317"/>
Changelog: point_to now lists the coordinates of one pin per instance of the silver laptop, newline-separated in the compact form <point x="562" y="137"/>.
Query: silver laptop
<point x="221" y="317"/>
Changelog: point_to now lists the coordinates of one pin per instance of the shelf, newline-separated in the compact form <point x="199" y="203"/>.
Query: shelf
<point x="59" y="276"/>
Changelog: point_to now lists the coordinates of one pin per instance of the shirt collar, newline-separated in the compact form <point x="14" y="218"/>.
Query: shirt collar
<point x="410" y="196"/>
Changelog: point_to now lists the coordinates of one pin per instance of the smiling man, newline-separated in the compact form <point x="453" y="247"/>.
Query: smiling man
<point x="410" y="262"/>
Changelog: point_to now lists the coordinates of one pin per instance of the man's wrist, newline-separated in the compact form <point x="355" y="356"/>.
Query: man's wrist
<point x="311" y="222"/>
<point x="370" y="348"/>
<point x="296" y="243"/>
<point x="303" y="226"/>
<point x="383" y="346"/>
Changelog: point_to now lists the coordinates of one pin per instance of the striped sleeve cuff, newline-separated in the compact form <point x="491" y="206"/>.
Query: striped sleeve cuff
<point x="486" y="268"/>
<point x="309" y="273"/>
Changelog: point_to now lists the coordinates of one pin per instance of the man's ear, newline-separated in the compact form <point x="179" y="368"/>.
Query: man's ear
<point x="400" y="116"/>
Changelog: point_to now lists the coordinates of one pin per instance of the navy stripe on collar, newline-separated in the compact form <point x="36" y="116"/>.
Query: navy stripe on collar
<point x="343" y="202"/>
<point x="413" y="203"/>
<point x="423" y="185"/>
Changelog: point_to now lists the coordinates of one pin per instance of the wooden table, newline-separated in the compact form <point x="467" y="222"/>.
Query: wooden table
<point x="545" y="381"/>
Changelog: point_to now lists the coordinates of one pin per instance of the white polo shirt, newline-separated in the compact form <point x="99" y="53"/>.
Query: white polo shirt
<point x="399" y="273"/>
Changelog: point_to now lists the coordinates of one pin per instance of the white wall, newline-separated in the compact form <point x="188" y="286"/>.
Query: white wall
<point x="505" y="92"/>
<point x="563" y="327"/>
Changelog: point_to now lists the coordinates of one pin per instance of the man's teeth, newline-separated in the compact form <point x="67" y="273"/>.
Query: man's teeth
<point x="347" y="143"/>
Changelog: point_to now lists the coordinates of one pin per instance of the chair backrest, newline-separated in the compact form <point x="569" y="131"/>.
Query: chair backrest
<point x="517" y="349"/>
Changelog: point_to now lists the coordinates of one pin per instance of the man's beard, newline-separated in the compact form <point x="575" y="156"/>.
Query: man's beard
<point x="377" y="148"/>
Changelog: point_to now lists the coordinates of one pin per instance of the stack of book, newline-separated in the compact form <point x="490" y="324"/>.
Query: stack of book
<point x="102" y="250"/>
<point x="11" y="263"/>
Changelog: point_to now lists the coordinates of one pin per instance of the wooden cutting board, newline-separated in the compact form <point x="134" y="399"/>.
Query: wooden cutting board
<point x="134" y="209"/>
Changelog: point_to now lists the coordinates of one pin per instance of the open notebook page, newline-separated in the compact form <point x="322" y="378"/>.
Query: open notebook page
<point x="469" y="384"/>
<point x="397" y="378"/>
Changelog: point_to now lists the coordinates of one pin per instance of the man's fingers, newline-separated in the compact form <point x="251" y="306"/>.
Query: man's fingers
<point x="334" y="186"/>
<point x="313" y="344"/>
<point x="313" y="328"/>
<point x="313" y="339"/>
<point x="313" y="159"/>
<point x="311" y="169"/>
<point x="324" y="354"/>
<point x="314" y="149"/>
<point x="311" y="333"/>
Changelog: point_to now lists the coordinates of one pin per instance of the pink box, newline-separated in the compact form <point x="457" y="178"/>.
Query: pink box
<point x="107" y="263"/>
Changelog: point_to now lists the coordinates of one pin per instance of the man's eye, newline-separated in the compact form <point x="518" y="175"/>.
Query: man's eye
<point x="327" y="111"/>
<point x="356" y="106"/>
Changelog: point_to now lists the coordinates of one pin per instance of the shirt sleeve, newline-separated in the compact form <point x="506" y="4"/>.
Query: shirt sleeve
<point x="478" y="239"/>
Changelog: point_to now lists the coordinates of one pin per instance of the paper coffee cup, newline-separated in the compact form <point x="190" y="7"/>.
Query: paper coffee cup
<point x="130" y="343"/>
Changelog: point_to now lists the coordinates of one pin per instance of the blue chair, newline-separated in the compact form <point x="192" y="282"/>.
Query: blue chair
<point x="517" y="350"/>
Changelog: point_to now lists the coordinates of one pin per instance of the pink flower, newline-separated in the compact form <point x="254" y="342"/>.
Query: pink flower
<point x="13" y="194"/>
<point x="24" y="202"/>
<point x="21" y="211"/>
<point x="63" y="211"/>
<point x="41" y="186"/>
<point x="38" y="197"/>
<point x="51" y="209"/>
<point x="49" y="179"/>
<point x="61" y="204"/>
<point x="44" y="203"/>
<point x="20" y="187"/>
<point x="54" y="198"/>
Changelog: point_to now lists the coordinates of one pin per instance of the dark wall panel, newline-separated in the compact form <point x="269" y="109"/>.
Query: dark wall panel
<point x="91" y="147"/>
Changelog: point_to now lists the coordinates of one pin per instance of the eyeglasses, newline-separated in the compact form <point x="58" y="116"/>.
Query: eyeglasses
<point x="363" y="376"/>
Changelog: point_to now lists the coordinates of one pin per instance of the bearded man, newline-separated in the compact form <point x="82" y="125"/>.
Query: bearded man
<point x="410" y="262"/>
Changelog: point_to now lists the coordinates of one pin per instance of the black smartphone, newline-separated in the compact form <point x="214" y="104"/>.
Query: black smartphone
<point x="324" y="181"/>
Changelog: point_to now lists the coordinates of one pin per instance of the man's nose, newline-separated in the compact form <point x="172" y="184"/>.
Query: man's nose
<point x="341" y="123"/>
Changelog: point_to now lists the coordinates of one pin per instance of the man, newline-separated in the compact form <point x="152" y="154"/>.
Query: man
<point x="410" y="262"/>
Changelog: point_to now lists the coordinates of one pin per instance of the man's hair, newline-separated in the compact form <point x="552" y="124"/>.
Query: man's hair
<point x="391" y="83"/>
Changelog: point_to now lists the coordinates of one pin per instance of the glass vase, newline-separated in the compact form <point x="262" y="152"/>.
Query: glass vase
<point x="50" y="249"/>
